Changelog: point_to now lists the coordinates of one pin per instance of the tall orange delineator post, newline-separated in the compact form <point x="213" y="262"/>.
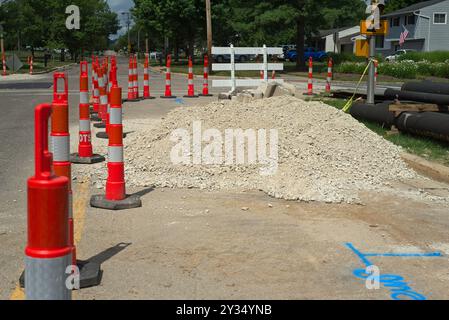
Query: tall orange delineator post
<point x="30" y="63"/>
<point x="136" y="78"/>
<point x="146" y="78"/>
<point x="102" y="111"/>
<point x="48" y="251"/>
<point x="115" y="197"/>
<point x="60" y="142"/>
<point x="85" y="153"/>
<point x="329" y="75"/>
<point x="191" y="84"/>
<point x="310" y="81"/>
<point x="96" y="94"/>
<point x="206" y="78"/>
<point x="4" y="64"/>
<point x="168" y="93"/>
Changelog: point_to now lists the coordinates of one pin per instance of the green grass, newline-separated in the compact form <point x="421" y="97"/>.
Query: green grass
<point x="435" y="56"/>
<point x="422" y="146"/>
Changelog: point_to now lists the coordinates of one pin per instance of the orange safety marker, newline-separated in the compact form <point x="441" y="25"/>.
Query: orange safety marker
<point x="206" y="78"/>
<point x="329" y="75"/>
<point x="115" y="197"/>
<point x="191" y="84"/>
<point x="310" y="81"/>
<point x="168" y="93"/>
<point x="85" y="153"/>
<point x="146" y="78"/>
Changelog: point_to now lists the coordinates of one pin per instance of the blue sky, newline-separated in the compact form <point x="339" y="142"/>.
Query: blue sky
<point x="119" y="6"/>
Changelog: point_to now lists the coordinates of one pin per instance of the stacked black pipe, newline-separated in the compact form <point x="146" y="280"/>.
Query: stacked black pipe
<point x="431" y="124"/>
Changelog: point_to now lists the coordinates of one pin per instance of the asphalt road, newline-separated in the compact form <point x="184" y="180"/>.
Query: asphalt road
<point x="17" y="149"/>
<point x="192" y="244"/>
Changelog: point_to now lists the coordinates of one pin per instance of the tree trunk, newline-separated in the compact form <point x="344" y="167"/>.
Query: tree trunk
<point x="300" y="39"/>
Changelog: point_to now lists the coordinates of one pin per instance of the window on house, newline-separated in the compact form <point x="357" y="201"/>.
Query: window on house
<point x="410" y="19"/>
<point x="396" y="22"/>
<point x="440" y="18"/>
<point x="380" y="40"/>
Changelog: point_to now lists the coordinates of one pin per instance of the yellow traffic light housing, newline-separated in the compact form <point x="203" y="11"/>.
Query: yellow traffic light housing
<point x="382" y="31"/>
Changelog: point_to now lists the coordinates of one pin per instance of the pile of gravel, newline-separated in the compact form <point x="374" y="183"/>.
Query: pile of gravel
<point x="324" y="154"/>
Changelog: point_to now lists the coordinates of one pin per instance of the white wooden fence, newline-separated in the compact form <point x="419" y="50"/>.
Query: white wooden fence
<point x="233" y="67"/>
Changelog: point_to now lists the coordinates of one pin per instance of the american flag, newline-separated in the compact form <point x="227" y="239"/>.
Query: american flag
<point x="403" y="36"/>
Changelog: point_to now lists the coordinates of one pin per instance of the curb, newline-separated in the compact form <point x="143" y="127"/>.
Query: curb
<point x="56" y="69"/>
<point x="430" y="169"/>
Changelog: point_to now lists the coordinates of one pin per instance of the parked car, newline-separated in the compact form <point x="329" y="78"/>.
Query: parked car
<point x="316" y="55"/>
<point x="397" y="54"/>
<point x="223" y="58"/>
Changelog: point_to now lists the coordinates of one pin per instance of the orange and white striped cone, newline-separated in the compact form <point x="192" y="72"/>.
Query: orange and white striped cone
<point x="136" y="79"/>
<point x="31" y="65"/>
<point x="115" y="197"/>
<point x="146" y="78"/>
<point x="310" y="81"/>
<point x="89" y="272"/>
<point x="168" y="93"/>
<point x="96" y="95"/>
<point x="206" y="78"/>
<point x="329" y="75"/>
<point x="191" y="84"/>
<point x="85" y="153"/>
<point x="4" y="73"/>
<point x="60" y="142"/>
<point x="131" y="80"/>
<point x="273" y="75"/>
<point x="102" y="111"/>
<point x="48" y="254"/>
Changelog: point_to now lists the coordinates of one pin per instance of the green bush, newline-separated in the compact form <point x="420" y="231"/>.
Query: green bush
<point x="401" y="70"/>
<point x="345" y="57"/>
<point x="435" y="56"/>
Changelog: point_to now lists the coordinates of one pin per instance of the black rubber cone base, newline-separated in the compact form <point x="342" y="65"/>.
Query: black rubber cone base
<point x="187" y="96"/>
<point x="95" y="117"/>
<point x="133" y="100"/>
<point x="168" y="97"/>
<point x="105" y="135"/>
<point x="149" y="98"/>
<point x="309" y="95"/>
<point x="100" y="125"/>
<point x="206" y="95"/>
<point x="96" y="158"/>
<point x="102" y="135"/>
<point x="130" y="202"/>
<point x="90" y="274"/>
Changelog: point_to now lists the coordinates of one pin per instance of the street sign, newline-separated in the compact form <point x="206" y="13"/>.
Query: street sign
<point x="13" y="63"/>
<point x="382" y="31"/>
<point x="362" y="48"/>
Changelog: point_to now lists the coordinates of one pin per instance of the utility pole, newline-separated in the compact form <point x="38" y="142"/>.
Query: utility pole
<point x="2" y="47"/>
<point x="209" y="31"/>
<point x="128" y="23"/>
<point x="375" y="10"/>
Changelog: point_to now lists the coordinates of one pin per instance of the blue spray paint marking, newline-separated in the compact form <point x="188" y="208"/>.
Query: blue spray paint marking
<point x="399" y="289"/>
<point x="179" y="101"/>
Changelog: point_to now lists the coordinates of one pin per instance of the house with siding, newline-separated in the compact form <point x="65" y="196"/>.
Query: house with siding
<point x="427" y="23"/>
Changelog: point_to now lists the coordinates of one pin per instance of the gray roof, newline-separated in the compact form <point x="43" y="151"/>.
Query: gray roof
<point x="412" y="8"/>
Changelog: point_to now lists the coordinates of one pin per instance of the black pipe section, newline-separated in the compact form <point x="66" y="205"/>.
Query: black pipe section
<point x="430" y="124"/>
<point x="378" y="113"/>
<point x="427" y="87"/>
<point x="439" y="99"/>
